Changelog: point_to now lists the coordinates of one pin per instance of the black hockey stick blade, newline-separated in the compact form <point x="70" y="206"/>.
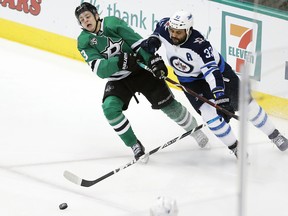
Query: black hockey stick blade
<point x="87" y="183"/>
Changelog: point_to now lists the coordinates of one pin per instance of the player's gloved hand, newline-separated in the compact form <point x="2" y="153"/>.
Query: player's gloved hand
<point x="158" y="66"/>
<point x="224" y="102"/>
<point x="128" y="61"/>
<point x="151" y="44"/>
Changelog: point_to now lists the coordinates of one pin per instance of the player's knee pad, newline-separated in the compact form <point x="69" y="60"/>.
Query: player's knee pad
<point x="180" y="115"/>
<point x="174" y="110"/>
<point x="208" y="112"/>
<point x="256" y="114"/>
<point x="112" y="107"/>
<point x="259" y="118"/>
<point x="215" y="123"/>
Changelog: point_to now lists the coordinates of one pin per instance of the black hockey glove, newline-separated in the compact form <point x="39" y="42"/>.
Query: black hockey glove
<point x="151" y="44"/>
<point x="224" y="102"/>
<point x="158" y="67"/>
<point x="128" y="61"/>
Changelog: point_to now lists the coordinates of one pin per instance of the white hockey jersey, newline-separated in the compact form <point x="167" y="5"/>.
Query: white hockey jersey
<point x="194" y="59"/>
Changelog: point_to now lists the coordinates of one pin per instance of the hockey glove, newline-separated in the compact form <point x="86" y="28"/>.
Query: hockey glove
<point x="151" y="44"/>
<point x="224" y="102"/>
<point x="128" y="61"/>
<point x="158" y="67"/>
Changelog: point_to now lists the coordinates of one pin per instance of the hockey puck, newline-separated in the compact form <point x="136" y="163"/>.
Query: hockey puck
<point x="63" y="206"/>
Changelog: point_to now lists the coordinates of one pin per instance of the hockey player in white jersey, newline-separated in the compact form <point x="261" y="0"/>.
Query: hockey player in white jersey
<point x="200" y="67"/>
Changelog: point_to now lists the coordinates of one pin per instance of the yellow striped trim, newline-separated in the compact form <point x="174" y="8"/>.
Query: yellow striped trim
<point x="275" y="106"/>
<point x="65" y="46"/>
<point x="39" y="38"/>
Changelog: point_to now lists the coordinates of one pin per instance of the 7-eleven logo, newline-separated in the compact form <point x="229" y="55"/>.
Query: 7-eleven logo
<point x="241" y="43"/>
<point x="245" y="38"/>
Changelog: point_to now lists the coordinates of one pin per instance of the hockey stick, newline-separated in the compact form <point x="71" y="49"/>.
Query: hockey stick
<point x="201" y="98"/>
<point x="189" y="91"/>
<point x="87" y="183"/>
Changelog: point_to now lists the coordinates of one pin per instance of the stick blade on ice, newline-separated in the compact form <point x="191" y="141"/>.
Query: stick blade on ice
<point x="83" y="182"/>
<point x="72" y="178"/>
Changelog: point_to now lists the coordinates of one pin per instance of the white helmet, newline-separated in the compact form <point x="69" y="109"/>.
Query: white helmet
<point x="182" y="20"/>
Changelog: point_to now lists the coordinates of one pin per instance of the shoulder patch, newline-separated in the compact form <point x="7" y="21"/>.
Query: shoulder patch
<point x="93" y="41"/>
<point x="199" y="40"/>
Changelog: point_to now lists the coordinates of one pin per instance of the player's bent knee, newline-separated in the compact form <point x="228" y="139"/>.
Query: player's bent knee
<point x="173" y="110"/>
<point x="112" y="107"/>
<point x="208" y="112"/>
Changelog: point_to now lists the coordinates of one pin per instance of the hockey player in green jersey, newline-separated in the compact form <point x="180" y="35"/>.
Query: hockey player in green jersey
<point x="112" y="49"/>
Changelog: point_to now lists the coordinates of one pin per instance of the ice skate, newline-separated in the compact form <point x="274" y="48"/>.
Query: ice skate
<point x="234" y="149"/>
<point x="139" y="152"/>
<point x="279" y="140"/>
<point x="200" y="138"/>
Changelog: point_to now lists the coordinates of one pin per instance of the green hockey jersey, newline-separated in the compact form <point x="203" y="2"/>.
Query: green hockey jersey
<point x="100" y="50"/>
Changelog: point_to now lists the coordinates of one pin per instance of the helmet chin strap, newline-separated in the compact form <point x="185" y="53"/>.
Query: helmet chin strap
<point x="188" y="33"/>
<point x="97" y="21"/>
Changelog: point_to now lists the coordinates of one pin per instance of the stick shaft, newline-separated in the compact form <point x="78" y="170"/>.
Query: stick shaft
<point x="205" y="100"/>
<point x="87" y="183"/>
<point x="189" y="91"/>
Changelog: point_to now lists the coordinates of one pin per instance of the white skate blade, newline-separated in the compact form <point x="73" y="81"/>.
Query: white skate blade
<point x="144" y="159"/>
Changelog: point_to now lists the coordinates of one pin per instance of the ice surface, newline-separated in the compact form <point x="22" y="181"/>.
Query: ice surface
<point x="51" y="120"/>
